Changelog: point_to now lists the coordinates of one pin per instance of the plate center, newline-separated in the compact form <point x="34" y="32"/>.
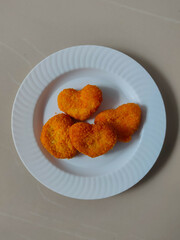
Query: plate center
<point x="116" y="91"/>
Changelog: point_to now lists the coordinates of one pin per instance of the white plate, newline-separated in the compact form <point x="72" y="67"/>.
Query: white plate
<point x="122" y="80"/>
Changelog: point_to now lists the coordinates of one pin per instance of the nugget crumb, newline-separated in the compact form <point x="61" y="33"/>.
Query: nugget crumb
<point x="80" y="104"/>
<point x="55" y="136"/>
<point x="125" y="119"/>
<point x="92" y="139"/>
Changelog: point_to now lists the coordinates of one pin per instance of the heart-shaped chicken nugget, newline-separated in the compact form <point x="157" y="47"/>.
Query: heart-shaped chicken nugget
<point x="55" y="136"/>
<point x="80" y="104"/>
<point x="125" y="119"/>
<point x="92" y="139"/>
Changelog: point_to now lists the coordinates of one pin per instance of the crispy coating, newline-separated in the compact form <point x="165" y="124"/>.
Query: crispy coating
<point x="80" y="104"/>
<point x="92" y="139"/>
<point x="125" y="119"/>
<point x="55" y="136"/>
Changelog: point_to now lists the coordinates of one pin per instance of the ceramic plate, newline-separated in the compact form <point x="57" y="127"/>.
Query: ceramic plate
<point x="121" y="80"/>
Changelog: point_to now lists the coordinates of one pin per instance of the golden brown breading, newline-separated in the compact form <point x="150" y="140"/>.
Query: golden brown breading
<point x="55" y="136"/>
<point x="80" y="104"/>
<point x="92" y="139"/>
<point x="125" y="119"/>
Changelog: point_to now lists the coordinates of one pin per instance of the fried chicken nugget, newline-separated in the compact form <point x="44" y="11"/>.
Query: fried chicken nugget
<point x="92" y="139"/>
<point x="80" y="104"/>
<point x="55" y="136"/>
<point x="125" y="119"/>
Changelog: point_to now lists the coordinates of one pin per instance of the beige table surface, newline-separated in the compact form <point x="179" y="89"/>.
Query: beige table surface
<point x="148" y="31"/>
